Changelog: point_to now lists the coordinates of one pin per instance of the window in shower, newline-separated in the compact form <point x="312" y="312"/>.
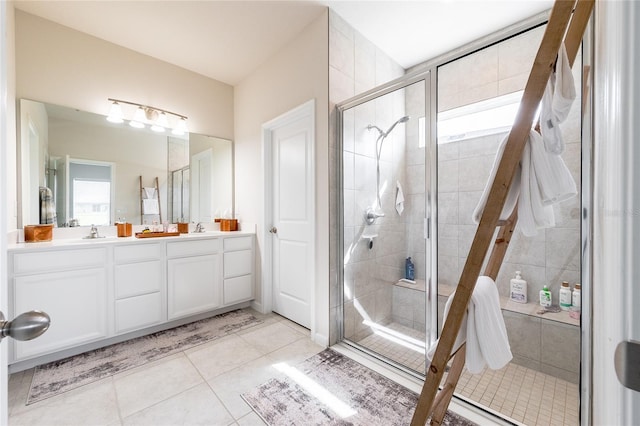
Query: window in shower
<point x="540" y="385"/>
<point x="384" y="194"/>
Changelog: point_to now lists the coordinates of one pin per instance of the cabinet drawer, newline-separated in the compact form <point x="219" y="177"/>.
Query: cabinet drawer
<point x="45" y="261"/>
<point x="193" y="248"/>
<point x="237" y="263"/>
<point x="238" y="243"/>
<point x="137" y="252"/>
<point x="238" y="289"/>
<point x="137" y="278"/>
<point x="137" y="312"/>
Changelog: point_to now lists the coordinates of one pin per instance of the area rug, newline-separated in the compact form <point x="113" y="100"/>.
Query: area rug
<point x="331" y="389"/>
<point x="70" y="373"/>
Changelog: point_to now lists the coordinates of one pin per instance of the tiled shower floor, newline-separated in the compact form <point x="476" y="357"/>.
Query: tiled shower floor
<point x="522" y="394"/>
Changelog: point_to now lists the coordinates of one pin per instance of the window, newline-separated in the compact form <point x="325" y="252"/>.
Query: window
<point x="90" y="192"/>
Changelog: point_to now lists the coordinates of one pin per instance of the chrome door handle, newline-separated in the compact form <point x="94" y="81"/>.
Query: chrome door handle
<point x="273" y="230"/>
<point x="26" y="326"/>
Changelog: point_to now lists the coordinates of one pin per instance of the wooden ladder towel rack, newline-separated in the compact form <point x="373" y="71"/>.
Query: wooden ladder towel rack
<point x="142" y="196"/>
<point x="434" y="404"/>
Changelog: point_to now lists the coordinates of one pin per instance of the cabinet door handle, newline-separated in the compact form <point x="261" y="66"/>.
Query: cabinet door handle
<point x="26" y="326"/>
<point x="273" y="230"/>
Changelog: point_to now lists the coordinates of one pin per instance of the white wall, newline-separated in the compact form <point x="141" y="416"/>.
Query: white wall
<point x="58" y="65"/>
<point x="298" y="73"/>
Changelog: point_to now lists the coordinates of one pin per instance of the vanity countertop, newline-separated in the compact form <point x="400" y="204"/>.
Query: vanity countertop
<point x="80" y="241"/>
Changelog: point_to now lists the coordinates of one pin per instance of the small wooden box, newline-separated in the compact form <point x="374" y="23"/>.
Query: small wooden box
<point x="37" y="233"/>
<point x="183" y="227"/>
<point x="228" y="224"/>
<point x="124" y="229"/>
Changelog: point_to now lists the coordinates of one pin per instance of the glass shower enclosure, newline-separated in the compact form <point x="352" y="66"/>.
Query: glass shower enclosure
<point x="385" y="180"/>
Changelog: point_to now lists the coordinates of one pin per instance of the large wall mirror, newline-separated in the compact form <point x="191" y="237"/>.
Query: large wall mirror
<point x="76" y="168"/>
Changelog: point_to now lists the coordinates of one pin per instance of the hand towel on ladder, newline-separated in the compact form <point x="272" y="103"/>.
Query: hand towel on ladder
<point x="150" y="206"/>
<point x="483" y="329"/>
<point x="148" y="193"/>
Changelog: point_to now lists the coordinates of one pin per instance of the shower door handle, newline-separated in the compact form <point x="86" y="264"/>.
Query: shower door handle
<point x="273" y="230"/>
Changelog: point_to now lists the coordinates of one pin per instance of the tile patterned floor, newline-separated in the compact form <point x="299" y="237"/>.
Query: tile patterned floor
<point x="197" y="386"/>
<point x="522" y="394"/>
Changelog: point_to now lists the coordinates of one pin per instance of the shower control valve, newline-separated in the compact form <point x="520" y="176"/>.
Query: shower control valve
<point x="371" y="215"/>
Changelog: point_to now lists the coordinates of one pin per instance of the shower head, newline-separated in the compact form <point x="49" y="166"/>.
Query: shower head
<point x="385" y="134"/>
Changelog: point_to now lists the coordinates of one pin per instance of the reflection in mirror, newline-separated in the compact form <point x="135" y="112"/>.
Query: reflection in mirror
<point x="92" y="170"/>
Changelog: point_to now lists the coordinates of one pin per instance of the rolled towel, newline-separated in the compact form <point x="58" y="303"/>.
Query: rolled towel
<point x="482" y="328"/>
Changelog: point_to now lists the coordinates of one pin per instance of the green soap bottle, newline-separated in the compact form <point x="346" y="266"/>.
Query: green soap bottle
<point x="545" y="296"/>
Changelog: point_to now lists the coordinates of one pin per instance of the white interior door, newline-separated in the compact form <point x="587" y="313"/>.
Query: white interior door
<point x="202" y="186"/>
<point x="293" y="222"/>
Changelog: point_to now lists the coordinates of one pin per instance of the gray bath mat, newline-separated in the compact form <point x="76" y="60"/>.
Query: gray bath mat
<point x="70" y="373"/>
<point x="331" y="389"/>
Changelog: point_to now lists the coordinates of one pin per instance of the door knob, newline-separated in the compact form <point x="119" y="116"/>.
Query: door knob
<point x="26" y="326"/>
<point x="273" y="230"/>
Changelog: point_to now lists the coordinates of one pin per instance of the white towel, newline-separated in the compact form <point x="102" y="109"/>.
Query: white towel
<point x="557" y="99"/>
<point x="150" y="206"/>
<point x="483" y="329"/>
<point x="399" y="198"/>
<point x="148" y="193"/>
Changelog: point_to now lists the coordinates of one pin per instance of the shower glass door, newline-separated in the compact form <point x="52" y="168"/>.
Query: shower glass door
<point x="385" y="144"/>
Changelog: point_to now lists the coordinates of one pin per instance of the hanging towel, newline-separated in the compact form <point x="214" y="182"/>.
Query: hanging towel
<point x="47" y="206"/>
<point x="482" y="328"/>
<point x="557" y="99"/>
<point x="399" y="199"/>
<point x="148" y="193"/>
<point x="541" y="180"/>
<point x="150" y="206"/>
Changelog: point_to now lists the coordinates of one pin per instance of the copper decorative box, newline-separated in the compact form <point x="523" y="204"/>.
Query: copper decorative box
<point x="183" y="227"/>
<point x="124" y="229"/>
<point x="228" y="224"/>
<point x="37" y="233"/>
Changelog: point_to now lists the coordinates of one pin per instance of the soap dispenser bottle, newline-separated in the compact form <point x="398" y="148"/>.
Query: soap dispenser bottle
<point x="575" y="297"/>
<point x="518" y="289"/>
<point x="545" y="297"/>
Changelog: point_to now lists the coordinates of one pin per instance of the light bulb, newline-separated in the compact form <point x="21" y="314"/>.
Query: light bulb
<point x="138" y="119"/>
<point x="115" y="113"/>
<point x="181" y="127"/>
<point x="161" y="123"/>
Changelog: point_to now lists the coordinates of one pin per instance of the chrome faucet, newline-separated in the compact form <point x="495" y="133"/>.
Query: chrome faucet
<point x="93" y="233"/>
<point x="199" y="227"/>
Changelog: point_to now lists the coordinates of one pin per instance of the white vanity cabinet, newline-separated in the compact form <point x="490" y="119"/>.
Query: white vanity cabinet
<point x="193" y="277"/>
<point x="139" y="281"/>
<point x="238" y="269"/>
<point x="69" y="285"/>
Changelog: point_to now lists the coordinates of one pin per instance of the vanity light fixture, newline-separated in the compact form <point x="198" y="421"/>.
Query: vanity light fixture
<point x="157" y="118"/>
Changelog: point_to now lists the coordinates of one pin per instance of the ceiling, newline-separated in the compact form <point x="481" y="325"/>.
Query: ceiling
<point x="228" y="40"/>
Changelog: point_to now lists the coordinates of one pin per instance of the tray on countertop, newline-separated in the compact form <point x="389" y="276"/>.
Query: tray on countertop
<point x="156" y="234"/>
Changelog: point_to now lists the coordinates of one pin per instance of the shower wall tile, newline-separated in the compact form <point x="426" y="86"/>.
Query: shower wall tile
<point x="448" y="270"/>
<point x="365" y="64"/>
<point x="448" y="231"/>
<point x="448" y="176"/>
<point x="567" y="214"/>
<point x="336" y="23"/>
<point x="561" y="346"/>
<point x="348" y="131"/>
<point x="448" y="151"/>
<point x="474" y="172"/>
<point x="480" y="147"/>
<point x="526" y="250"/>
<point x="341" y="55"/>
<point x="415" y="203"/>
<point x="512" y="84"/>
<point x="448" y="207"/>
<point x="349" y="320"/>
<point x="478" y="70"/>
<point x="465" y="238"/>
<point x="383" y="304"/>
<point x="449" y="101"/>
<point x="562" y="248"/>
<point x="448" y="246"/>
<point x="348" y="170"/>
<point x="415" y="179"/>
<point x="478" y="93"/>
<point x="365" y="140"/>
<point x="467" y="204"/>
<point x="524" y="333"/>
<point x="516" y="55"/>
<point x="365" y="173"/>
<point x="342" y="86"/>
<point x="555" y="276"/>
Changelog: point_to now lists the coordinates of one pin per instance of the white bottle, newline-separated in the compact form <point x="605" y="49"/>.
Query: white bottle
<point x="576" y="297"/>
<point x="565" y="296"/>
<point x="518" y="289"/>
